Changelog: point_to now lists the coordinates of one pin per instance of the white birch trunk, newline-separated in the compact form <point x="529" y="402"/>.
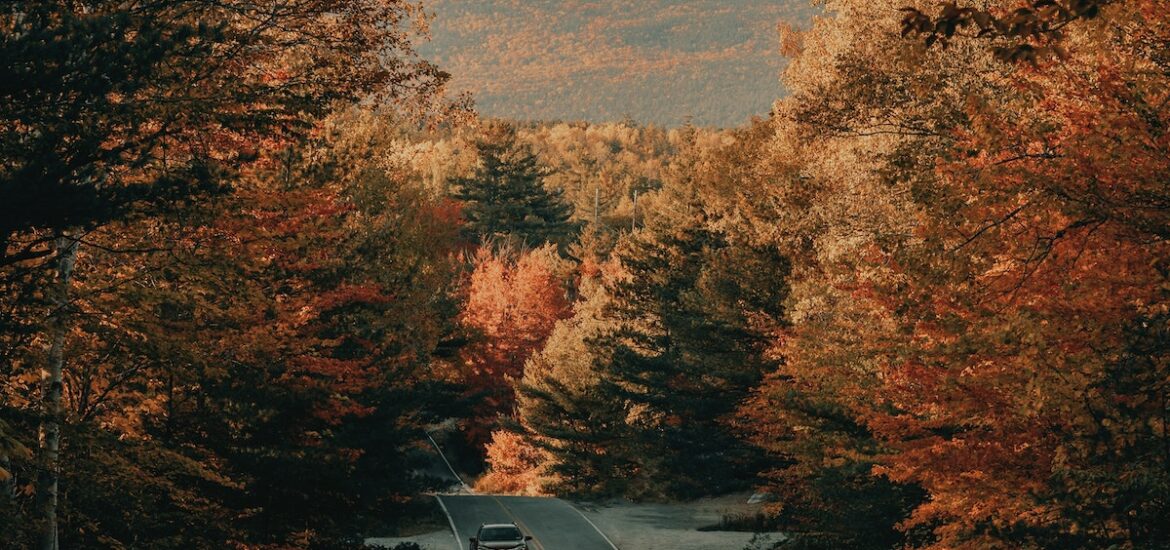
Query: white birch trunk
<point x="51" y="386"/>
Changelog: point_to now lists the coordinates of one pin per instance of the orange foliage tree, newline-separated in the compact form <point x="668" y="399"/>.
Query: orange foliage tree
<point x="980" y="292"/>
<point x="515" y="465"/>
<point x="511" y="308"/>
<point x="283" y="334"/>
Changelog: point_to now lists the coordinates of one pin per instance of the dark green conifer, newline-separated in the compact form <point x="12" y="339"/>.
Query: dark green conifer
<point x="684" y="353"/>
<point x="506" y="197"/>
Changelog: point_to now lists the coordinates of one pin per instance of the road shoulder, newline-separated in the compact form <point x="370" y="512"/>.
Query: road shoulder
<point x="674" y="526"/>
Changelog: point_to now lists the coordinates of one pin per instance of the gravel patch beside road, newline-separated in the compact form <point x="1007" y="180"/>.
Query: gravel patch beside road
<point x="674" y="526"/>
<point x="439" y="540"/>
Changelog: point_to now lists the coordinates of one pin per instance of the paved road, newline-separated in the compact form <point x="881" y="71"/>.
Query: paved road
<point x="553" y="523"/>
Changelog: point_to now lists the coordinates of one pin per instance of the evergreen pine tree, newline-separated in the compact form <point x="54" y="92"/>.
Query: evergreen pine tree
<point x="635" y="393"/>
<point x="585" y="432"/>
<point x="686" y="350"/>
<point x="506" y="197"/>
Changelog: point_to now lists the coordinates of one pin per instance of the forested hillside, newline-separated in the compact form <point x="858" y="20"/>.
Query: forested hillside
<point x="712" y="62"/>
<point x="250" y="253"/>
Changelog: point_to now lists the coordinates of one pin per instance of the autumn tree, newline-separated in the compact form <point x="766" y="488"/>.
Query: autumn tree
<point x="514" y="298"/>
<point x="1033" y="32"/>
<point x="109" y="107"/>
<point x="515" y="465"/>
<point x="600" y="165"/>
<point x="974" y="247"/>
<point x="291" y="325"/>
<point x="106" y="105"/>
<point x="642" y="399"/>
<point x="564" y="408"/>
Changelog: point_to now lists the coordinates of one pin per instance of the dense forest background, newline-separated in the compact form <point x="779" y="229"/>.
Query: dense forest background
<point x="249" y="253"/>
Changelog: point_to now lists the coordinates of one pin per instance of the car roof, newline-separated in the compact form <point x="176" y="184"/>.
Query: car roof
<point x="487" y="525"/>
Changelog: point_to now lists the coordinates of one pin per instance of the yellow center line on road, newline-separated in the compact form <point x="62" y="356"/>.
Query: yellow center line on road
<point x="523" y="528"/>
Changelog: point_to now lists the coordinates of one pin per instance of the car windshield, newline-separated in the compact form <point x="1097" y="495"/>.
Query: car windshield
<point x="490" y="534"/>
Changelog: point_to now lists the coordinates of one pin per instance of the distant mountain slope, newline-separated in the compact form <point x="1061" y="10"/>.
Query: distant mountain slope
<point x="660" y="61"/>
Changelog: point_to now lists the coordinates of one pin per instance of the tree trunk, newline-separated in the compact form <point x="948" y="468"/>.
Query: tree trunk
<point x="4" y="236"/>
<point x="7" y="484"/>
<point x="51" y="386"/>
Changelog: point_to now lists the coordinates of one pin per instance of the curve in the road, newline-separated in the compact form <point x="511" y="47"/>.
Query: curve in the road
<point x="553" y="523"/>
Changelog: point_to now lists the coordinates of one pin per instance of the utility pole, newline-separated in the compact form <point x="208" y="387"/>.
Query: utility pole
<point x="596" y="205"/>
<point x="634" y="215"/>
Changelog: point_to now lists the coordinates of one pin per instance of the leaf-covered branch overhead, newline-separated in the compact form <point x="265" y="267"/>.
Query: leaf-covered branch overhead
<point x="1026" y="34"/>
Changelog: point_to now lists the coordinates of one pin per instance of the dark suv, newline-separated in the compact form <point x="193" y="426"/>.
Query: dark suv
<point x="499" y="536"/>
